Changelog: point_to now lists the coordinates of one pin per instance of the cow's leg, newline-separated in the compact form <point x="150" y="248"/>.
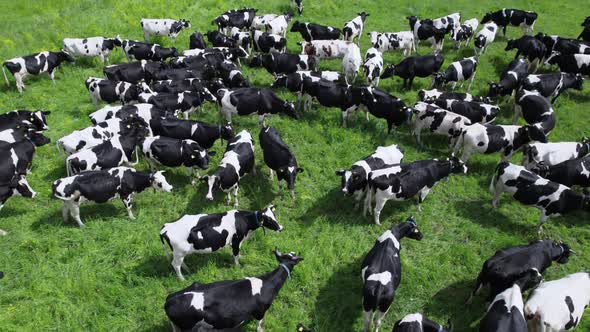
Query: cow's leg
<point x="542" y="221"/>
<point x="228" y="199"/>
<point x="146" y="36"/>
<point x="175" y="328"/>
<point x="422" y="196"/>
<point x="3" y="232"/>
<point x="378" y="319"/>
<point x="75" y="209"/>
<point x="236" y="196"/>
<point x="128" y="202"/>
<point x="177" y="261"/>
<point x="280" y="188"/>
<point x="368" y="318"/>
<point x="259" y="327"/>
<point x="19" y="82"/>
<point x="471" y="81"/>
<point x="416" y="132"/>
<point x="152" y="164"/>
<point x="517" y="111"/>
<point x="497" y="194"/>
<point x="455" y="85"/>
<point x="270" y="173"/>
<point x="380" y="201"/>
<point x="52" y="75"/>
<point x="65" y="212"/>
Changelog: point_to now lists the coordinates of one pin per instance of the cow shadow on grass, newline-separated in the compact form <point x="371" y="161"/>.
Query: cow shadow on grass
<point x="162" y="326"/>
<point x="481" y="212"/>
<point x="55" y="173"/>
<point x="159" y="265"/>
<point x="449" y="302"/>
<point x="90" y="212"/>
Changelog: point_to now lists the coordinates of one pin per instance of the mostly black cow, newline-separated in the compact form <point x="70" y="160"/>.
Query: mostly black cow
<point x="554" y="84"/>
<point x="146" y="51"/>
<point x="246" y="101"/>
<point x="312" y="31"/>
<point x="279" y="158"/>
<point x="203" y="133"/>
<point x="574" y="172"/>
<point x="283" y="63"/>
<point x="111" y="91"/>
<point x="535" y="109"/>
<point x="515" y="17"/>
<point x="530" y="47"/>
<point x="197" y="41"/>
<point x="415" y="66"/>
<point x="510" y="79"/>
<point x="134" y="72"/>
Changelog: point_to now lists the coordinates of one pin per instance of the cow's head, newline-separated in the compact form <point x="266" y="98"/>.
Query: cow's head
<point x="117" y="41"/>
<point x="64" y="56"/>
<point x="410" y="229"/>
<point x="256" y="61"/>
<point x="563" y="252"/>
<point x="37" y="119"/>
<point x="495" y="89"/>
<point x="529" y="279"/>
<point x="37" y="138"/>
<point x="289" y="110"/>
<point x="440" y="78"/>
<point x="297" y="26"/>
<point x="288" y="17"/>
<point x="510" y="45"/>
<point x="20" y="187"/>
<point x="363" y="15"/>
<point x="268" y="219"/>
<point x="457" y="165"/>
<point x="212" y="183"/>
<point x="486" y="18"/>
<point x="289" y="175"/>
<point x="279" y="82"/>
<point x="352" y="180"/>
<point x="533" y="133"/>
<point x="194" y="155"/>
<point x="288" y="260"/>
<point x="578" y="82"/>
<point x="412" y="20"/>
<point x="159" y="182"/>
<point x="389" y="71"/>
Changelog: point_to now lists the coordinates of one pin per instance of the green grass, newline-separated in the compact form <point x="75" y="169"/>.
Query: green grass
<point x="114" y="275"/>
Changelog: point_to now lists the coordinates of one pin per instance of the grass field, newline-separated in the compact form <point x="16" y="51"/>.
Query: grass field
<point x="114" y="276"/>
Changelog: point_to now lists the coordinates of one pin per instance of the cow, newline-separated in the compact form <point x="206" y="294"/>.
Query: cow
<point x="243" y="39"/>
<point x="294" y="83"/>
<point x="278" y="25"/>
<point x="553" y="84"/>
<point x="558" y="305"/>
<point x="259" y="22"/>
<point x="105" y="185"/>
<point x="507" y="265"/>
<point x="239" y="18"/>
<point x="458" y="71"/>
<point x="112" y="91"/>
<point x="279" y="158"/>
<point x="515" y="17"/>
<point x="464" y="33"/>
<point x="535" y="109"/>
<point x="419" y="323"/>
<point x="575" y="63"/>
<point x="554" y="153"/>
<point x="34" y="64"/>
<point x="163" y="27"/>
<point x="189" y="84"/>
<point x="218" y="39"/>
<point x="510" y="79"/>
<point x="299" y="5"/>
<point x="91" y="47"/>
<point x="34" y="119"/>
<point x="282" y="63"/>
<point x="388" y="41"/>
<point x="354" y="181"/>
<point x="326" y="48"/>
<point x="177" y="74"/>
<point x="476" y="112"/>
<point x="437" y="121"/>
<point x="232" y="76"/>
<point x="147" y="112"/>
<point x="134" y="72"/>
<point x="229" y="304"/>
<point x="208" y="233"/>
<point x="373" y="66"/>
<point x="433" y="94"/>
<point x="415" y="66"/>
<point x="237" y="162"/>
<point x="25" y="150"/>
<point x="585" y="34"/>
<point x="145" y="51"/>
<point x="552" y="198"/>
<point x="185" y="102"/>
<point x="351" y="63"/>
<point x="334" y="94"/>
<point x="381" y="271"/>
<point x="505" y="313"/>
<point x="245" y="101"/>
<point x="196" y="41"/>
<point x="381" y="104"/>
<point x="354" y="28"/>
<point x="13" y="185"/>
<point x="573" y="172"/>
<point x="448" y="23"/>
<point x="425" y="30"/>
<point x="312" y="31"/>
<point x="203" y="133"/>
<point x="13" y="135"/>
<point x="564" y="46"/>
<point x="418" y="179"/>
<point x="530" y="47"/>
<point x="485" y="37"/>
<point x="266" y="42"/>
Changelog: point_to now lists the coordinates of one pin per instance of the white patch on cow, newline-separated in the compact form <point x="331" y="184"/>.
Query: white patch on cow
<point x="390" y="155"/>
<point x="384" y="277"/>
<point x="411" y="318"/>
<point x="533" y="79"/>
<point x="582" y="60"/>
<point x="330" y="75"/>
<point x="291" y="169"/>
<point x="512" y="298"/>
<point x="553" y="153"/>
<point x="198" y="300"/>
<point x="234" y="73"/>
<point x="256" y="285"/>
<point x="387" y="235"/>
<point x="459" y="70"/>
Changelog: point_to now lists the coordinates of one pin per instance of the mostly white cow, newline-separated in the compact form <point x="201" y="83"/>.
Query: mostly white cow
<point x="100" y="47"/>
<point x="163" y="27"/>
<point x="34" y="64"/>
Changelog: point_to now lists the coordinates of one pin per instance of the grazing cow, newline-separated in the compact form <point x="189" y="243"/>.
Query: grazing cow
<point x="490" y="138"/>
<point x="283" y="63"/>
<point x="91" y="46"/>
<point x="431" y="95"/>
<point x="246" y="101"/>
<point x="354" y="181"/>
<point x="558" y="305"/>
<point x="196" y="41"/>
<point x="418" y="179"/>
<point x="425" y="30"/>
<point x="554" y="84"/>
<point x="229" y="304"/>
<point x="279" y="158"/>
<point x="147" y="112"/>
<point x="530" y="47"/>
<point x="382" y="105"/>
<point x="535" y="109"/>
<point x="458" y="71"/>
<point x="419" y="323"/>
<point x="207" y="233"/>
<point x="507" y="265"/>
<point x="25" y="150"/>
<point x="563" y="46"/>
<point x="554" y="153"/>
<point x="34" y="119"/>
<point x="485" y="37"/>
<point x="575" y="63"/>
<point x="218" y="39"/>
<point x="351" y="63"/>
<point x="373" y="66"/>
<point x="163" y="27"/>
<point x="238" y="160"/>
<point x="506" y="313"/>
<point x="381" y="271"/>
<point x="111" y="91"/>
<point x="510" y="79"/>
<point x="203" y="133"/>
<point x="438" y="121"/>
<point x="354" y="28"/>
<point x="265" y="42"/>
<point x="515" y="17"/>
<point x="103" y="186"/>
<point x="574" y="172"/>
<point x="243" y="39"/>
<point x="333" y="94"/>
<point x="185" y="102"/>
<point x="134" y="72"/>
<point x="239" y="18"/>
<point x="474" y="111"/>
<point x="34" y="64"/>
<point x="146" y="51"/>
<point x="552" y="198"/>
<point x="279" y="25"/>
<point x="420" y="66"/>
<point x="312" y="31"/>
<point x="388" y="41"/>
<point x="326" y="48"/>
<point x="465" y="32"/>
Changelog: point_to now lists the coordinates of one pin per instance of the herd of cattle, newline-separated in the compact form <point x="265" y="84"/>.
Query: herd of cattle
<point x="163" y="83"/>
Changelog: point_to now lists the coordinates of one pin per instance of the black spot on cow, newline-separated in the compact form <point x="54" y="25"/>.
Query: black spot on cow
<point x="84" y="41"/>
<point x="457" y="119"/>
<point x="80" y="145"/>
<point x="1" y="274"/>
<point x="570" y="305"/>
<point x="480" y="144"/>
<point x="115" y="172"/>
<point x="95" y="134"/>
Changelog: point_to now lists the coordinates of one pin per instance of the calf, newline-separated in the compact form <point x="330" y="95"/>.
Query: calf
<point x="373" y="66"/>
<point x="147" y="112"/>
<point x="33" y="119"/>
<point x="574" y="172"/>
<point x="312" y="31"/>
<point x="229" y="304"/>
<point x="103" y="186"/>
<point x="238" y="160"/>
<point x="111" y="91"/>
<point x="431" y="95"/>
<point x="552" y="198"/>
<point x="535" y="109"/>
<point x="438" y="121"/>
<point x="464" y="33"/>
<point x="185" y="102"/>
<point x="382" y="105"/>
<point x="239" y="18"/>
<point x="279" y="158"/>
<point x="425" y="30"/>
<point x="326" y="48"/>
<point x="279" y="25"/>
<point x="34" y="64"/>
<point x="381" y="271"/>
<point x="510" y="79"/>
<point x="419" y="323"/>
<point x="203" y="133"/>
<point x="282" y="63"/>
<point x="533" y="49"/>
<point x="458" y="71"/>
<point x="476" y="112"/>
<point x="163" y="27"/>
<point x="420" y="66"/>
<point x="507" y="265"/>
<point x="146" y="51"/>
<point x="207" y="233"/>
<point x="351" y="63"/>
<point x="218" y="39"/>
<point x="554" y="153"/>
<point x="388" y="41"/>
<point x="91" y="47"/>
<point x="554" y="84"/>
<point x="134" y="72"/>
<point x="265" y="42"/>
<point x="246" y="101"/>
<point x="558" y="305"/>
<point x="485" y="37"/>
<point x="243" y="39"/>
<point x="575" y="63"/>
<point x="515" y="17"/>
<point x="196" y="41"/>
<point x="354" y="28"/>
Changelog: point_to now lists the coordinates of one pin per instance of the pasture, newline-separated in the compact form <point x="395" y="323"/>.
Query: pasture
<point x="113" y="275"/>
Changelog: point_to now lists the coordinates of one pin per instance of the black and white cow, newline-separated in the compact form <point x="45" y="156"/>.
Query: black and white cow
<point x="510" y="79"/>
<point x="431" y="95"/>
<point x="279" y="158"/>
<point x="535" y="109"/>
<point x="13" y="135"/>
<point x="381" y="104"/>
<point x="515" y="17"/>
<point x="218" y="39"/>
<point x="530" y="47"/>
<point x="458" y="71"/>
<point x="564" y="46"/>
<point x="448" y="23"/>
<point x="283" y="63"/>
<point x="419" y="323"/>
<point x="438" y="121"/>
<point x="326" y="48"/>
<point x="485" y="37"/>
<point x="189" y="84"/>
<point x="259" y="22"/>
<point x="134" y="72"/>
<point x="465" y="32"/>
<point x="177" y="74"/>
<point x="554" y="84"/>
<point x="415" y="66"/>
<point x="208" y="233"/>
<point x="111" y="91"/>
<point x="294" y="82"/>
<point x="185" y="102"/>
<point x="237" y="162"/>
<point x="299" y="5"/>
<point x="373" y="66"/>
<point x="34" y="64"/>
<point x="381" y="271"/>
<point x="354" y="28"/>
<point x="279" y="25"/>
<point x="506" y="313"/>
<point x="243" y="38"/>
<point x="312" y="31"/>
<point x="558" y="305"/>
<point x="147" y="112"/>
<point x="552" y="198"/>
<point x="334" y="94"/>
<point x="145" y="51"/>
<point x="425" y="30"/>
<point x="476" y="112"/>
<point x="574" y="63"/>
<point x="232" y="76"/>
<point x="246" y="101"/>
<point x="25" y="150"/>
<point x="574" y="172"/>
<point x="229" y="304"/>
<point x="266" y="42"/>
<point x="585" y="34"/>
<point x="507" y="265"/>
<point x="197" y="41"/>
<point x="34" y="119"/>
<point x="239" y="18"/>
<point x="163" y="27"/>
<point x="103" y="186"/>
<point x="91" y="47"/>
<point x="389" y="41"/>
<point x="351" y="63"/>
<point x="11" y="183"/>
<point x="203" y="133"/>
<point x="554" y="153"/>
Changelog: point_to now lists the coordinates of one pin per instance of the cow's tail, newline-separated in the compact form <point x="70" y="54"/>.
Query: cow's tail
<point x="5" y="77"/>
<point x="59" y="148"/>
<point x="69" y="169"/>
<point x="165" y="240"/>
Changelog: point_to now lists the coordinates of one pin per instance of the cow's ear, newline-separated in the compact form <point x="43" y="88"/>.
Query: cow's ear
<point x="340" y="172"/>
<point x="300" y="170"/>
<point x="211" y="153"/>
<point x="46" y="112"/>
